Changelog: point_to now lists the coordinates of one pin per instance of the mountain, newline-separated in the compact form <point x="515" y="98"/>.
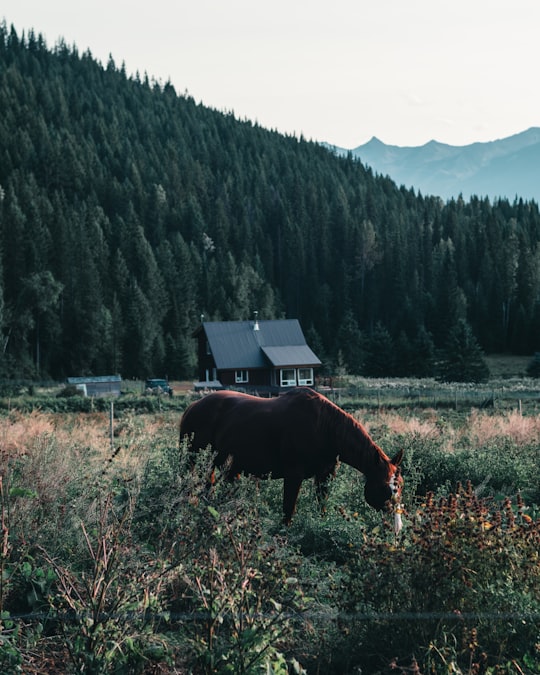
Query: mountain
<point x="507" y="168"/>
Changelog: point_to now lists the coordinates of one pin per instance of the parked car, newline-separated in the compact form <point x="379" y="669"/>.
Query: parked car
<point x="157" y="386"/>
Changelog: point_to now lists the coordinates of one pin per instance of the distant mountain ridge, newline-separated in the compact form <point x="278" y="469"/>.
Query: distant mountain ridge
<point x="508" y="168"/>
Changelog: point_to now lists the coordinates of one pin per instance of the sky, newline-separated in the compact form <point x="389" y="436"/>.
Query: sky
<point x="335" y="71"/>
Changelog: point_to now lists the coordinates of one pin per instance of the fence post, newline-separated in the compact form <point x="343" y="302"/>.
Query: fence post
<point x="111" y="426"/>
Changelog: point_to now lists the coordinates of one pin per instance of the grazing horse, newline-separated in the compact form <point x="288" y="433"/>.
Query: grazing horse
<point x="294" y="436"/>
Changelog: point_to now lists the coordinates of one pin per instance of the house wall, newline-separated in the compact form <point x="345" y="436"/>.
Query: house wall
<point x="103" y="388"/>
<point x="257" y="377"/>
<point x="205" y="361"/>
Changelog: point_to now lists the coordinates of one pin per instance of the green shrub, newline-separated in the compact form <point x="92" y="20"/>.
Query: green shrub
<point x="244" y="597"/>
<point x="235" y="589"/>
<point x="496" y="467"/>
<point x="68" y="391"/>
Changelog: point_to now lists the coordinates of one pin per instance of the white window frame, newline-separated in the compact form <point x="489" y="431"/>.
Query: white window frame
<point x="305" y="381"/>
<point x="286" y="381"/>
<point x="241" y="376"/>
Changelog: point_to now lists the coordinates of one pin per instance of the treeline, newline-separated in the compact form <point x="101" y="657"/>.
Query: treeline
<point x="128" y="210"/>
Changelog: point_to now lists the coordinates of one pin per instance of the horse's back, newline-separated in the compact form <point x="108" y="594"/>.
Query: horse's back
<point x="262" y="435"/>
<point x="236" y="407"/>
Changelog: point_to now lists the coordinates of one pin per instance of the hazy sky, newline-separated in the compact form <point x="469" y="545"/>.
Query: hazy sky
<point x="341" y="71"/>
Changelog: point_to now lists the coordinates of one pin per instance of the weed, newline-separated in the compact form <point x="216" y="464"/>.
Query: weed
<point x="463" y="564"/>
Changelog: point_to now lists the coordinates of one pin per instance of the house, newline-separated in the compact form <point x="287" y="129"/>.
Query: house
<point x="257" y="356"/>
<point x="99" y="385"/>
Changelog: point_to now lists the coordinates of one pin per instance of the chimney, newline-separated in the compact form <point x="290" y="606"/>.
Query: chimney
<point x="256" y="322"/>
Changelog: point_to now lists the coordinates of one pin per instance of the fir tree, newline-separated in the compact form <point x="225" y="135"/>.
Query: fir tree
<point x="462" y="358"/>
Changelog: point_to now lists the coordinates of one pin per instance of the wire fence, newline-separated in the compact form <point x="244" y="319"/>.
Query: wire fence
<point x="435" y="397"/>
<point x="310" y="615"/>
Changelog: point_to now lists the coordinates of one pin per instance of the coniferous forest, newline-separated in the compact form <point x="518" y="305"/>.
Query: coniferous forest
<point x="127" y="210"/>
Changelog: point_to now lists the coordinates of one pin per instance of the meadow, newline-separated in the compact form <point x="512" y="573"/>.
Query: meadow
<point x="116" y="559"/>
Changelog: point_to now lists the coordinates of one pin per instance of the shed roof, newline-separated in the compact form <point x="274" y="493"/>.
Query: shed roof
<point x="248" y="344"/>
<point x="94" y="379"/>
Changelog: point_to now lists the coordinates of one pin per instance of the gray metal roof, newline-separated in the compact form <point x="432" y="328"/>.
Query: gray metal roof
<point x="94" y="379"/>
<point x="291" y="355"/>
<point x="237" y="345"/>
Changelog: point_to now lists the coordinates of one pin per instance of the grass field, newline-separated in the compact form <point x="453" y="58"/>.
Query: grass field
<point x="505" y="366"/>
<point x="116" y="559"/>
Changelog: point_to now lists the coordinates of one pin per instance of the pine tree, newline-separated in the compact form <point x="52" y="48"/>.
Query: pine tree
<point x="380" y="354"/>
<point x="422" y="354"/>
<point x="349" y="337"/>
<point x="462" y="359"/>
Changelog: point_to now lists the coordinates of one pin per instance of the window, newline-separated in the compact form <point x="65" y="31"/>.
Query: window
<point x="241" y="376"/>
<point x="288" y="377"/>
<point x="305" y="376"/>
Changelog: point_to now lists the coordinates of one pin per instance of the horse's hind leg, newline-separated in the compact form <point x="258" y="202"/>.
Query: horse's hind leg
<point x="291" y="488"/>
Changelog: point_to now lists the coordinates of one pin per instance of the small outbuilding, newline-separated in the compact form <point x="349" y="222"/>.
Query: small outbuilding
<point x="266" y="357"/>
<point x="97" y="385"/>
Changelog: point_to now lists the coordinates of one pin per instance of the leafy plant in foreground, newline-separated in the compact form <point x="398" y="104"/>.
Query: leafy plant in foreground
<point x="245" y="598"/>
<point x="465" y="566"/>
<point x="108" y="610"/>
<point x="9" y="653"/>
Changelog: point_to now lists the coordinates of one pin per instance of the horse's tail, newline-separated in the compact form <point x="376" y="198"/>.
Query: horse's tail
<point x="192" y="428"/>
<point x="200" y="421"/>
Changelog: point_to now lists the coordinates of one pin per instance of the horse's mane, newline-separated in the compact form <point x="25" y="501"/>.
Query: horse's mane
<point x="338" y="421"/>
<point x="333" y="420"/>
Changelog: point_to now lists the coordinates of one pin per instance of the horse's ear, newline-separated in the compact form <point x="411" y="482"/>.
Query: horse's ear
<point x="396" y="461"/>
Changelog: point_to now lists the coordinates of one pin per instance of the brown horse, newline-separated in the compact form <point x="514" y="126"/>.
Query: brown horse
<point x="294" y="436"/>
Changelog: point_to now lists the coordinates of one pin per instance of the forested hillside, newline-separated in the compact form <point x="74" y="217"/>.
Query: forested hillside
<point x="128" y="210"/>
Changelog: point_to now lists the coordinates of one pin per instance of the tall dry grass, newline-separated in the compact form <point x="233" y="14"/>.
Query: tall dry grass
<point x="476" y="428"/>
<point x="523" y="430"/>
<point x="86" y="436"/>
<point x="61" y="464"/>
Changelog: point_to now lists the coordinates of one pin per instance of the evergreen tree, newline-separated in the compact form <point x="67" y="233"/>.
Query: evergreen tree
<point x="380" y="355"/>
<point x="350" y="342"/>
<point x="422" y="355"/>
<point x="40" y="293"/>
<point x="462" y="359"/>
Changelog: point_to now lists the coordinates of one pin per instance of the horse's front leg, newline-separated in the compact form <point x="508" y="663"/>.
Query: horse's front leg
<point x="322" y="487"/>
<point x="291" y="488"/>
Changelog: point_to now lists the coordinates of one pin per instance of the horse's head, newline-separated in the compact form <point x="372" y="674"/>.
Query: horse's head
<point x="382" y="492"/>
